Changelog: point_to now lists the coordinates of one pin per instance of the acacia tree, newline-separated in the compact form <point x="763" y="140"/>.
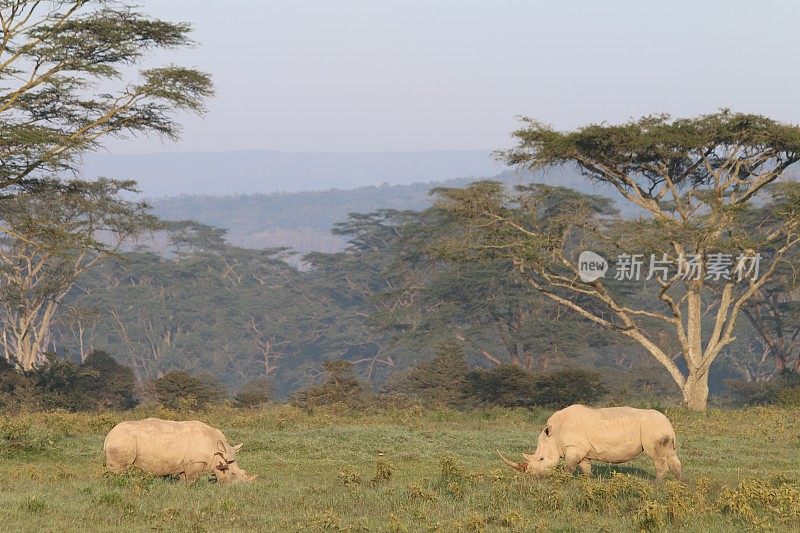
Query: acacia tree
<point x="774" y="312"/>
<point x="55" y="234"/>
<point x="62" y="90"/>
<point x="693" y="180"/>
<point x="412" y="299"/>
<point x="486" y="307"/>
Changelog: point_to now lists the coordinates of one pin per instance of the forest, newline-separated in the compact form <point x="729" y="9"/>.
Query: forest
<point x="486" y="275"/>
<point x="186" y="299"/>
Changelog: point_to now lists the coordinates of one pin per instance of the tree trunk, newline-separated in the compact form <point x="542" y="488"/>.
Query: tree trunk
<point x="780" y="360"/>
<point x="695" y="390"/>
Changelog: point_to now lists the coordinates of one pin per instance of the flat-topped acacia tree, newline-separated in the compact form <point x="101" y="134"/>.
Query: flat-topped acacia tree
<point x="63" y="82"/>
<point x="694" y="182"/>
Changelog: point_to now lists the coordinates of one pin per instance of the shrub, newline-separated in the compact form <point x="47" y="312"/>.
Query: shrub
<point x="107" y="384"/>
<point x="58" y="384"/>
<point x="178" y="389"/>
<point x="255" y="393"/>
<point x="341" y="386"/>
<point x="643" y="384"/>
<point x="789" y="388"/>
<point x="568" y="386"/>
<point x="504" y="385"/>
<point x="96" y="384"/>
<point x="17" y="389"/>
<point x="789" y="397"/>
<point x="510" y="386"/>
<point x="439" y="381"/>
<point x="784" y="389"/>
<point x="742" y="393"/>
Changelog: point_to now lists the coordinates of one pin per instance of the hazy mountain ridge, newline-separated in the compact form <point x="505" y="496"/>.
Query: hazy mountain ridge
<point x="303" y="220"/>
<point x="265" y="171"/>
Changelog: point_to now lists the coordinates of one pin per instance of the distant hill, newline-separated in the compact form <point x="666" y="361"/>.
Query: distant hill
<point x="264" y="171"/>
<point x="303" y="220"/>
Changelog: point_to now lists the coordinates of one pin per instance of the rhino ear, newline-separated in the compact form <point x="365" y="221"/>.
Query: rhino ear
<point x="238" y="447"/>
<point x="547" y="431"/>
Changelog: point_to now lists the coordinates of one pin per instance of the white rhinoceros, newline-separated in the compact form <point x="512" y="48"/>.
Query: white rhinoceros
<point x="580" y="434"/>
<point x="165" y="447"/>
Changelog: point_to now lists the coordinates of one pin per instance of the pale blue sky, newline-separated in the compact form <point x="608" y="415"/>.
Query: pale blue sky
<point x="381" y="75"/>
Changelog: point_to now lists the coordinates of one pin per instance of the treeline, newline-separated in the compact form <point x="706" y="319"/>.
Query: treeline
<point x="383" y="305"/>
<point x="493" y="268"/>
<point x="100" y="383"/>
<point x="230" y="315"/>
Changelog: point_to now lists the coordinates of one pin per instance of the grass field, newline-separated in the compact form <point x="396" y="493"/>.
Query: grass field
<point x="402" y="470"/>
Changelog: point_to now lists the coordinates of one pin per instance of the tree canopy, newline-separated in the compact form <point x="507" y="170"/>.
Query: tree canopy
<point x="64" y="83"/>
<point x="695" y="181"/>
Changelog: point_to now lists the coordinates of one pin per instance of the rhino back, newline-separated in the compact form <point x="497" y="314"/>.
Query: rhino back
<point x="611" y="434"/>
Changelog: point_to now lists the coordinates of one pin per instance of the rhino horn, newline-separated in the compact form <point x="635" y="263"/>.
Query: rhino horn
<point x="521" y="466"/>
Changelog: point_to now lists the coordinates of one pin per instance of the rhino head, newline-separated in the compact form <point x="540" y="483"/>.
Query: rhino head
<point x="543" y="461"/>
<point x="227" y="470"/>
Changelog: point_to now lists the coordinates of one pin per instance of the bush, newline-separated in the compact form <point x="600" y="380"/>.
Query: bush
<point x="255" y="393"/>
<point x="743" y="393"/>
<point x="96" y="384"/>
<point x="58" y="384"/>
<point x="438" y="382"/>
<point x="341" y="386"/>
<point x="504" y="385"/>
<point x="178" y="389"/>
<point x="789" y="396"/>
<point x="568" y="386"/>
<point x="17" y="389"/>
<point x="510" y="386"/>
<point x="784" y="390"/>
<point x="106" y="383"/>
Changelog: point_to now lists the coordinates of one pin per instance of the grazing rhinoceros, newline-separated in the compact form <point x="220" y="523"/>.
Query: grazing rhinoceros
<point x="580" y="434"/>
<point x="164" y="447"/>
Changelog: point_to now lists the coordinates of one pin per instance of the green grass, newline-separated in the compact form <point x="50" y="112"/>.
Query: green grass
<point x="403" y="470"/>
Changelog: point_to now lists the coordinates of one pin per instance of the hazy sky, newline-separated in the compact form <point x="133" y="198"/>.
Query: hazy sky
<point x="380" y="75"/>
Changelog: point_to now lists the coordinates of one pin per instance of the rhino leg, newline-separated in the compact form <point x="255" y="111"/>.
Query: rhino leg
<point x="586" y="467"/>
<point x="189" y="477"/>
<point x="662" y="466"/>
<point x="572" y="458"/>
<point x="675" y="467"/>
<point x="662" y="452"/>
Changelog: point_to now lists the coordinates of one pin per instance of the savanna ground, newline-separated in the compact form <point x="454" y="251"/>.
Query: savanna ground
<point x="404" y="470"/>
